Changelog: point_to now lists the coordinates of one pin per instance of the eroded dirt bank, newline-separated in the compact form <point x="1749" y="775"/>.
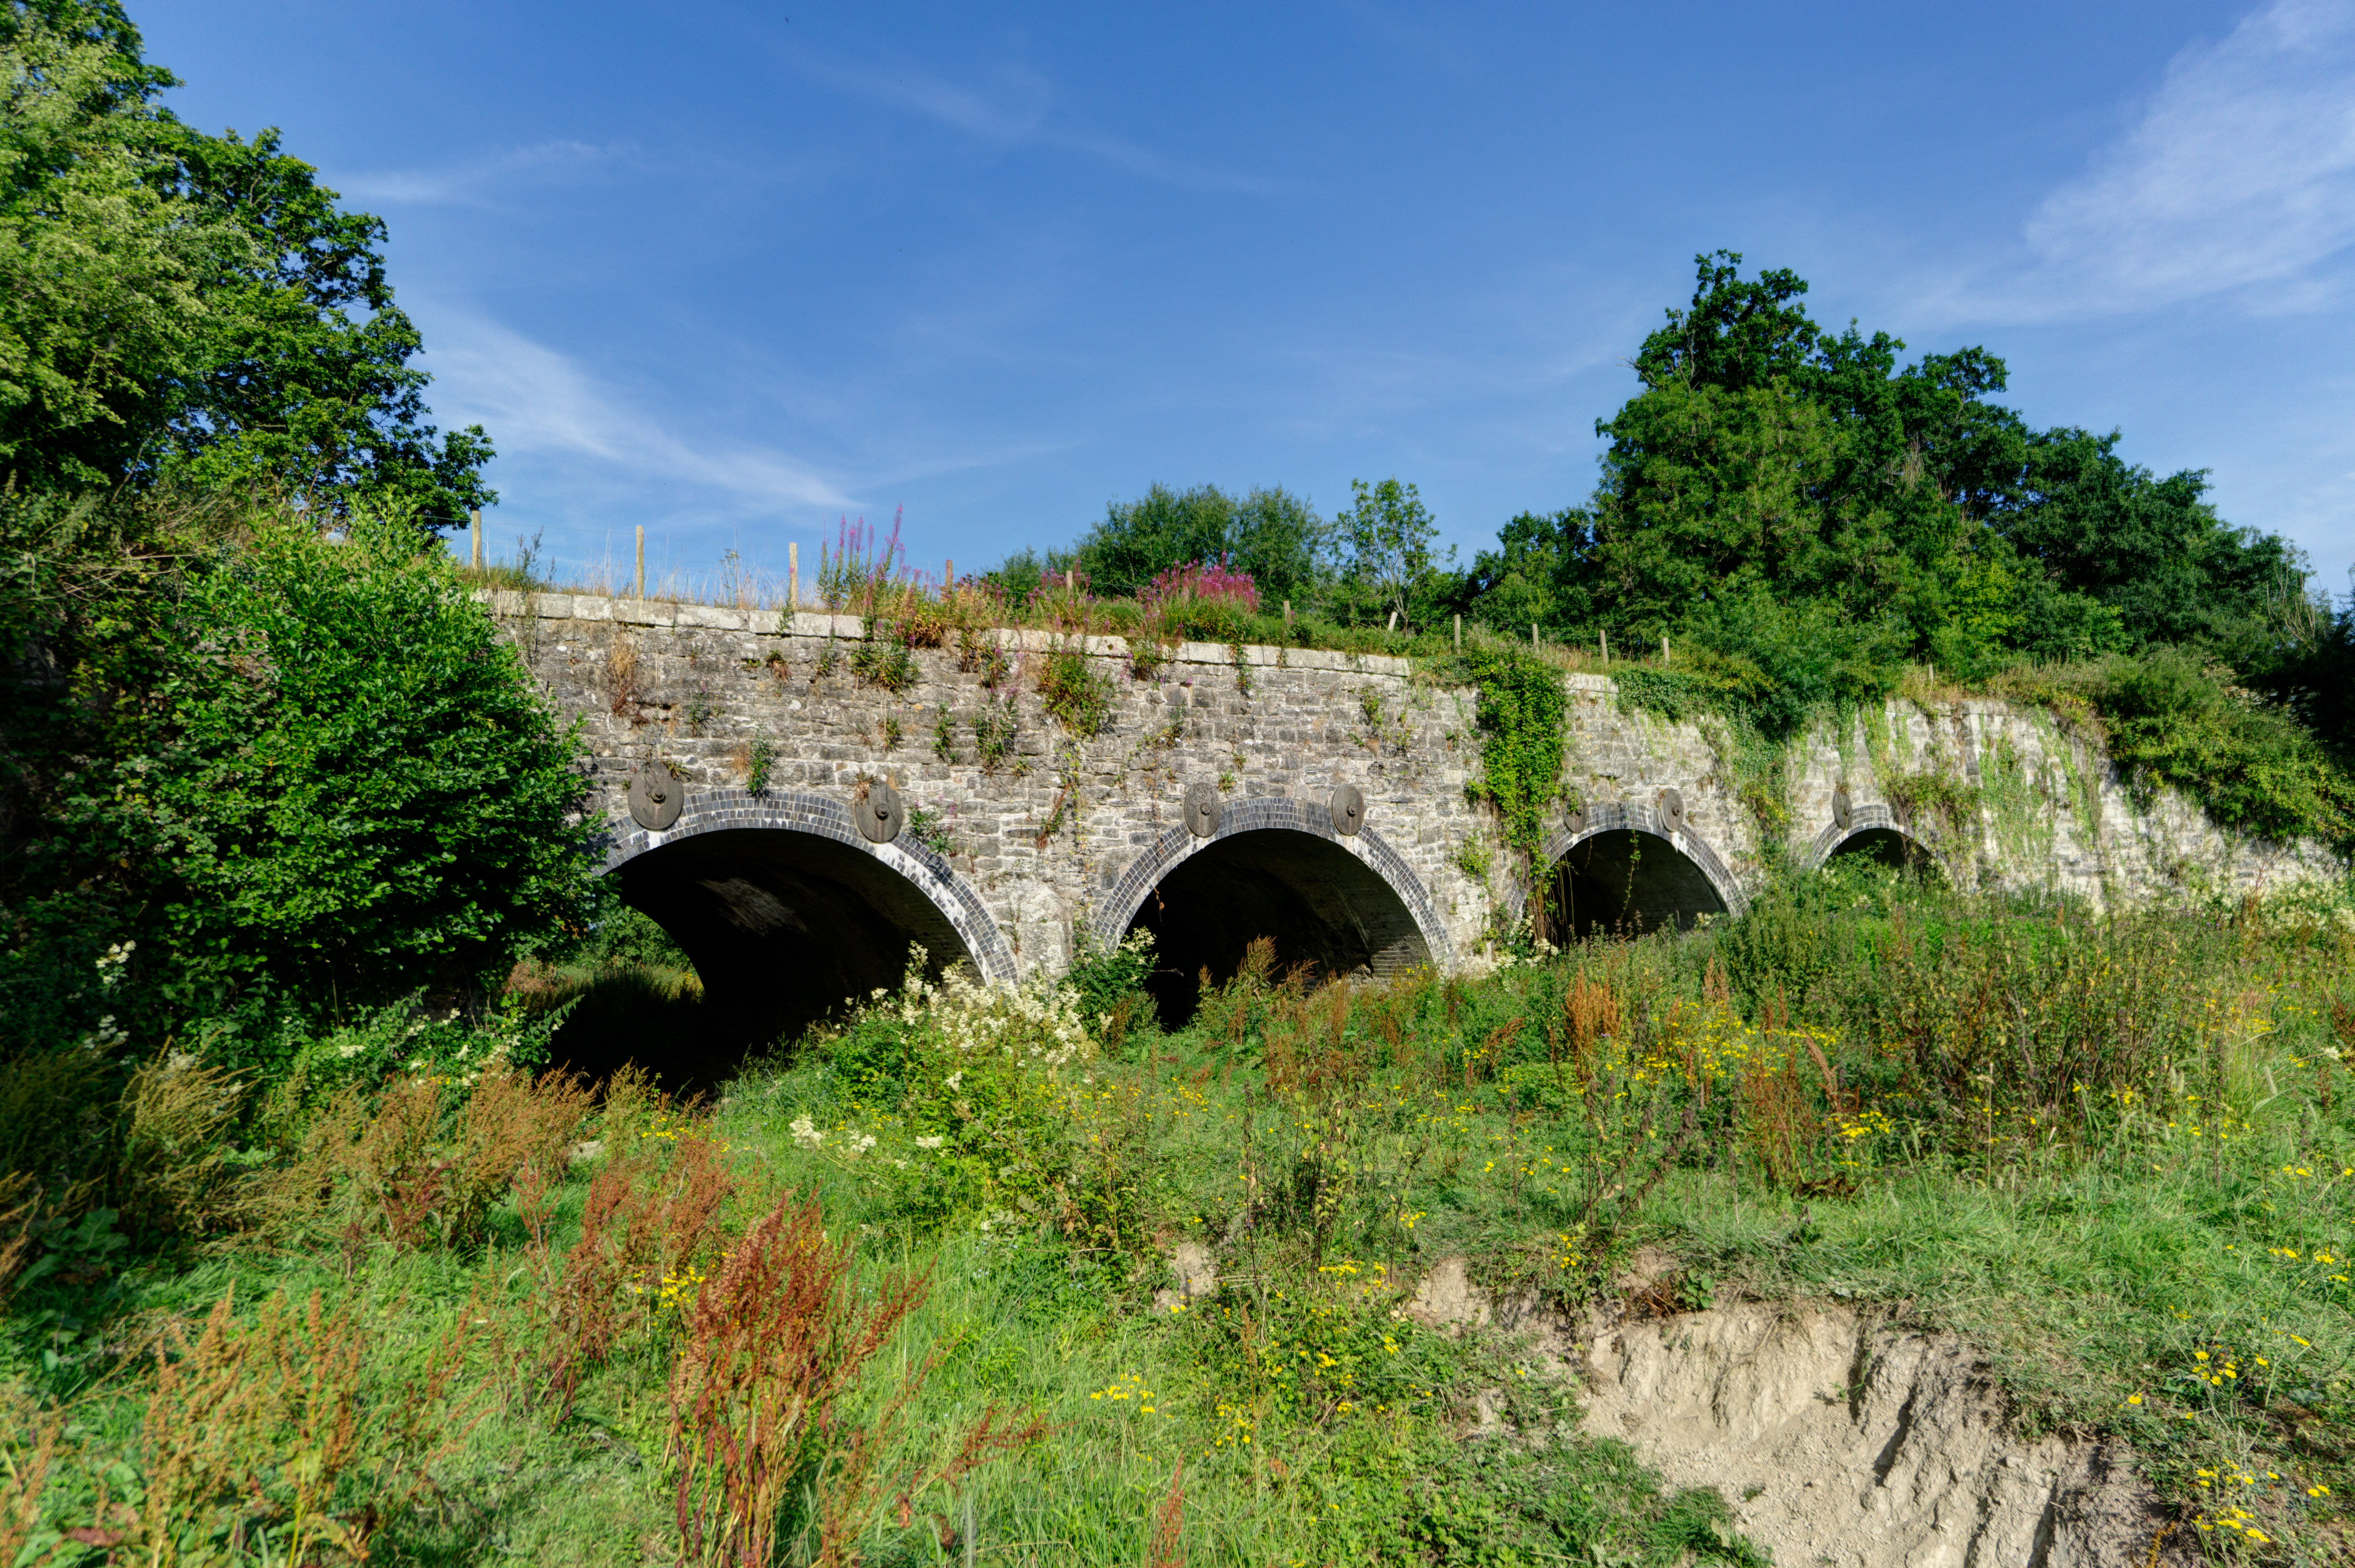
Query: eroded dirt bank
<point x="1838" y="1439"/>
<point x="1842" y="1443"/>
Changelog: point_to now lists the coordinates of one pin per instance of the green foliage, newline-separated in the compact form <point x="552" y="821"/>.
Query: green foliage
<point x="2099" y="1149"/>
<point x="2171" y="719"/>
<point x="1272" y="536"/>
<point x="1022" y="574"/>
<point x="928" y="828"/>
<point x="1077" y="692"/>
<point x="356" y="783"/>
<point x="1522" y="715"/>
<point x="288" y="767"/>
<point x="885" y="661"/>
<point x="971" y="1080"/>
<point x="2150" y="552"/>
<point x="1388" y="564"/>
<point x="1802" y="518"/>
<point x="761" y="760"/>
<point x="1109" y="976"/>
<point x="1766" y="456"/>
<point x="177" y="306"/>
<point x="995" y="726"/>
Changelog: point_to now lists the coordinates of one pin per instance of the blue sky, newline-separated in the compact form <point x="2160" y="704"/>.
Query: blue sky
<point x="733" y="271"/>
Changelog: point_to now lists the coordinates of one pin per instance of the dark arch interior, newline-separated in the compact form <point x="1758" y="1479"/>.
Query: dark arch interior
<point x="1624" y="883"/>
<point x="782" y="927"/>
<point x="1323" y="906"/>
<point x="1884" y="846"/>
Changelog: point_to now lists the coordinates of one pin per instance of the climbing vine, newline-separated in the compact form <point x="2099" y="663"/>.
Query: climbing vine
<point x="1753" y="740"/>
<point x="1522" y="717"/>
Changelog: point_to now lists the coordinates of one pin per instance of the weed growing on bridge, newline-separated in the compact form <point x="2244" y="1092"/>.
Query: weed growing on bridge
<point x="1523" y="723"/>
<point x="928" y="828"/>
<point x="1076" y="691"/>
<point x="994" y="729"/>
<point x="884" y="662"/>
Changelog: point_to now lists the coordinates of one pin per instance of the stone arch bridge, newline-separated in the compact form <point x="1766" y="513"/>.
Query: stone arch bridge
<point x="1316" y="797"/>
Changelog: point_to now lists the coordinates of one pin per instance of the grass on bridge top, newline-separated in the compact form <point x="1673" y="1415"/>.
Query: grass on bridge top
<point x="894" y="1294"/>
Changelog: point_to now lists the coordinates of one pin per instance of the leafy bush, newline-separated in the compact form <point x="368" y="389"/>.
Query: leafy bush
<point x="2172" y="719"/>
<point x="1110" y="979"/>
<point x="292" y="768"/>
<point x="885" y="663"/>
<point x="1272" y="537"/>
<point x="972" y="1078"/>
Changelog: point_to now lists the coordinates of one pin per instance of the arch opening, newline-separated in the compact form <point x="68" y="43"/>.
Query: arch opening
<point x="1892" y="849"/>
<point x="782" y="927"/>
<point x="1321" y="906"/>
<point x="1626" y="882"/>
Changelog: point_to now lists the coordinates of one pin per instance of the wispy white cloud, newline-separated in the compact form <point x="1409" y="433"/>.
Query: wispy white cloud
<point x="1014" y="113"/>
<point x="475" y="183"/>
<point x="1014" y="110"/>
<point x="2239" y="177"/>
<point x="538" y="402"/>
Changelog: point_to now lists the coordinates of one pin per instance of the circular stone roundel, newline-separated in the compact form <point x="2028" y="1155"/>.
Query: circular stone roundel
<point x="655" y="798"/>
<point x="1349" y="809"/>
<point x="1672" y="809"/>
<point x="876" y="808"/>
<point x="1203" y="806"/>
<point x="1842" y="812"/>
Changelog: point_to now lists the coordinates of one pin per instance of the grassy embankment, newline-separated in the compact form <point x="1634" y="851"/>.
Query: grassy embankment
<point x="447" y="1318"/>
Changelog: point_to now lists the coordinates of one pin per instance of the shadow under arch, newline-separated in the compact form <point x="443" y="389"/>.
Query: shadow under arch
<point x="788" y="911"/>
<point x="1623" y="871"/>
<point x="1873" y="833"/>
<point x="1348" y="905"/>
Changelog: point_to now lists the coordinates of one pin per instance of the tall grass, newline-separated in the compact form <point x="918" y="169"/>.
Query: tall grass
<point x="907" y="1292"/>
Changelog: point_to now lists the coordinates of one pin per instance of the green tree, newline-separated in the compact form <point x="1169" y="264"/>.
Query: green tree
<point x="2152" y="550"/>
<point x="1537" y="575"/>
<point x="1768" y="460"/>
<point x="285" y="765"/>
<point x="178" y="306"/>
<point x="1271" y="534"/>
<point x="1388" y="564"/>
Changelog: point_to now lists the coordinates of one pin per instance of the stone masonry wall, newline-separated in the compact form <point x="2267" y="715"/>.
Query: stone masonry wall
<point x="1044" y="837"/>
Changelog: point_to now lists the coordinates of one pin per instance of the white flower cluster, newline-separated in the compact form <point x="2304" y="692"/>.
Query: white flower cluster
<point x="112" y="962"/>
<point x="1036" y="1024"/>
<point x="850" y="1145"/>
<point x="2310" y="906"/>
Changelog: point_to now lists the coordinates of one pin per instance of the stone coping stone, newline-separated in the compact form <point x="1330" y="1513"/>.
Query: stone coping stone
<point x="818" y="623"/>
<point x="1022" y="639"/>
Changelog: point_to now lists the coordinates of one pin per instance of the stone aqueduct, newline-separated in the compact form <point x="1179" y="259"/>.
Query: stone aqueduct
<point x="1216" y="804"/>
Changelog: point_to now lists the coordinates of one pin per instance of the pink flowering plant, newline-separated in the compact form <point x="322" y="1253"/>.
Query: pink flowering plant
<point x="1208" y="598"/>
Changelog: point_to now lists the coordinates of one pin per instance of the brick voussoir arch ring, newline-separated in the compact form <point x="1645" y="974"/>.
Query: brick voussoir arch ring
<point x="1620" y="817"/>
<point x="1863" y="820"/>
<point x="716" y="811"/>
<point x="1260" y="814"/>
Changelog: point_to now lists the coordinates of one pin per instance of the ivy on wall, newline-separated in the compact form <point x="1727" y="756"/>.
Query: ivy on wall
<point x="1755" y="751"/>
<point x="1522" y="716"/>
